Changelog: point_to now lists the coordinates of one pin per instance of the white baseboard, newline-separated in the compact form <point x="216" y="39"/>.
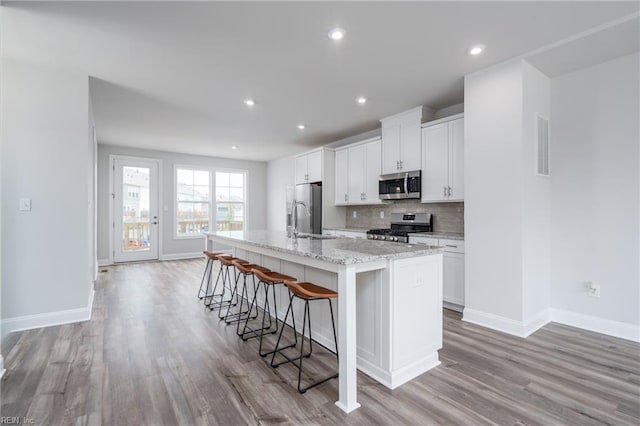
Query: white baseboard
<point x="2" y="370"/>
<point x="507" y="325"/>
<point x="104" y="262"/>
<point x="180" y="256"/>
<point x="48" y="319"/>
<point x="599" y="325"/>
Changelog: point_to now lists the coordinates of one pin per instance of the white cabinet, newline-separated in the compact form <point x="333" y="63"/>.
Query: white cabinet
<point x="357" y="173"/>
<point x="309" y="167"/>
<point x="443" y="160"/>
<point x="342" y="176"/>
<point x="401" y="144"/>
<point x="453" y="269"/>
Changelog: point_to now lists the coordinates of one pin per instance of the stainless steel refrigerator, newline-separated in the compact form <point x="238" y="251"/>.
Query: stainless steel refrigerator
<point x="310" y="218"/>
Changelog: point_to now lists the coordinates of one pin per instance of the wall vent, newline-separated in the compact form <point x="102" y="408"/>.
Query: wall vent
<point x="542" y="146"/>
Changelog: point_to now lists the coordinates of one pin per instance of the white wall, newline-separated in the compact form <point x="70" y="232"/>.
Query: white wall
<point x="595" y="190"/>
<point x="536" y="199"/>
<point x="493" y="191"/>
<point x="280" y="174"/>
<point x="44" y="158"/>
<point x="256" y="195"/>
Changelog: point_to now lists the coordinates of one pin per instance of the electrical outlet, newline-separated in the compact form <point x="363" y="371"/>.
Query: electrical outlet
<point x="25" y="204"/>
<point x="355" y="214"/>
<point x="382" y="214"/>
<point x="593" y="289"/>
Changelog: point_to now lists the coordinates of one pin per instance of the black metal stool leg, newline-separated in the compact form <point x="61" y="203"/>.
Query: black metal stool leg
<point x="207" y="273"/>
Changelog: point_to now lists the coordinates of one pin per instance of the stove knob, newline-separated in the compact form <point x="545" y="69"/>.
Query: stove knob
<point x="394" y="238"/>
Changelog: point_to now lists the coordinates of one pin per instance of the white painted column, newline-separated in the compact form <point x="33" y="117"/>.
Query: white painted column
<point x="348" y="380"/>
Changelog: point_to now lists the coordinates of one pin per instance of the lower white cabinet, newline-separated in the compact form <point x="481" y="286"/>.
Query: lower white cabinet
<point x="453" y="269"/>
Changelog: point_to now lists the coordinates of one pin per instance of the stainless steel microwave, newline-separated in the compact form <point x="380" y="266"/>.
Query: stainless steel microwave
<point x="397" y="186"/>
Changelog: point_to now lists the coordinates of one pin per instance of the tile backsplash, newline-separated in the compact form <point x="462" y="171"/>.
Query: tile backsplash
<point x="447" y="217"/>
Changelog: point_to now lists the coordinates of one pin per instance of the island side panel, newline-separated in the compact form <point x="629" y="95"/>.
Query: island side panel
<point x="416" y="316"/>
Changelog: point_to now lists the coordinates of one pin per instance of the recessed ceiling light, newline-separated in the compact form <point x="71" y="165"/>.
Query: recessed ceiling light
<point x="301" y="126"/>
<point x="362" y="100"/>
<point x="249" y="102"/>
<point x="235" y="147"/>
<point x="476" y="50"/>
<point x="336" y="34"/>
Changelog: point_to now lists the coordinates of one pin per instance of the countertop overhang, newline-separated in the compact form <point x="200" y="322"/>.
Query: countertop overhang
<point x="338" y="250"/>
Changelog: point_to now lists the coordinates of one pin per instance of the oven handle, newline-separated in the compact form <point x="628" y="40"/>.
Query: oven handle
<point x="406" y="184"/>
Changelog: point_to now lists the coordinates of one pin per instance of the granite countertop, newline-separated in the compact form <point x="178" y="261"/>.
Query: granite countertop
<point x="446" y="235"/>
<point x="338" y="250"/>
<point x="347" y="229"/>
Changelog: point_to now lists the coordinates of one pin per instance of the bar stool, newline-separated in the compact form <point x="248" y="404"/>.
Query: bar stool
<point x="269" y="281"/>
<point x="211" y="257"/>
<point x="223" y="275"/>
<point x="244" y="269"/>
<point x="305" y="291"/>
<point x="226" y="263"/>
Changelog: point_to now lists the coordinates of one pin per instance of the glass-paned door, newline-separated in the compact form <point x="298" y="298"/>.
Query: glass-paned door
<point x="135" y="210"/>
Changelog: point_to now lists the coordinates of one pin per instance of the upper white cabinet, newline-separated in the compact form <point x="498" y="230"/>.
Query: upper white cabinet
<point x="342" y="176"/>
<point x="443" y="160"/>
<point x="357" y="173"/>
<point x="309" y="167"/>
<point x="401" y="147"/>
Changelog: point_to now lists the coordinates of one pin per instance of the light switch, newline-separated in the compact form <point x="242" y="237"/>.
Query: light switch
<point x="25" y="204"/>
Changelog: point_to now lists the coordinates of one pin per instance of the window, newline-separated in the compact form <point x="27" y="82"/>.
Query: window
<point x="230" y="201"/>
<point x="197" y="210"/>
<point x="193" y="201"/>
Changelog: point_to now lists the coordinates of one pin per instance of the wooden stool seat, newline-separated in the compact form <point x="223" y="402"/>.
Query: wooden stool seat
<point x="272" y="277"/>
<point x="247" y="268"/>
<point x="229" y="260"/>
<point x="211" y="255"/>
<point x="307" y="290"/>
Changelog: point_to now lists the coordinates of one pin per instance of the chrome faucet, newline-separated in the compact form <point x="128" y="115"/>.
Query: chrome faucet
<point x="294" y="216"/>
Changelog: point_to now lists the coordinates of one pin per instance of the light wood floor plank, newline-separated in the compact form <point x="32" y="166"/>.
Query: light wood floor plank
<point x="152" y="355"/>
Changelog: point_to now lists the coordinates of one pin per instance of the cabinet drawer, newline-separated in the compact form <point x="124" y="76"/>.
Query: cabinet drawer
<point x="424" y="240"/>
<point x="452" y="246"/>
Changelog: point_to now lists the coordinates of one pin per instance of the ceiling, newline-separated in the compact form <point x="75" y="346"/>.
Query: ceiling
<point x="173" y="76"/>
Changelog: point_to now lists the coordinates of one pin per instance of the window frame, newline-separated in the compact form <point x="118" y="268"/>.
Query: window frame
<point x="213" y="203"/>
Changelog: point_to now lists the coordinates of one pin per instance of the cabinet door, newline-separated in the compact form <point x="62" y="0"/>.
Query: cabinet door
<point x="435" y="162"/>
<point x="301" y="169"/>
<point x="391" y="136"/>
<point x="411" y="150"/>
<point x="373" y="168"/>
<point x="456" y="159"/>
<point x="356" y="174"/>
<point x="453" y="279"/>
<point x="341" y="160"/>
<point x="314" y="166"/>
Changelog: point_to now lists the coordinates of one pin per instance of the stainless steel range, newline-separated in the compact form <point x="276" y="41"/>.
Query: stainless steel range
<point x="402" y="224"/>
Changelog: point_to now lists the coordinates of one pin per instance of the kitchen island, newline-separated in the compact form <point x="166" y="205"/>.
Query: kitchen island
<point x="389" y="317"/>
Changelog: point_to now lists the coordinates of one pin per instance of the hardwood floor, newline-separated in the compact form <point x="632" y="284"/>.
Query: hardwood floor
<point x="152" y="355"/>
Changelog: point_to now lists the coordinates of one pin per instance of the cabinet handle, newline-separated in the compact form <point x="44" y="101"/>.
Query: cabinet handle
<point x="445" y="191"/>
<point x="346" y="198"/>
<point x="449" y="192"/>
<point x="450" y="245"/>
<point x="364" y="196"/>
<point x="397" y="165"/>
<point x="401" y="164"/>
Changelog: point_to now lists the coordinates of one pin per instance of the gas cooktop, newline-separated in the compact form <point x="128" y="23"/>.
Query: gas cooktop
<point x="402" y="224"/>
